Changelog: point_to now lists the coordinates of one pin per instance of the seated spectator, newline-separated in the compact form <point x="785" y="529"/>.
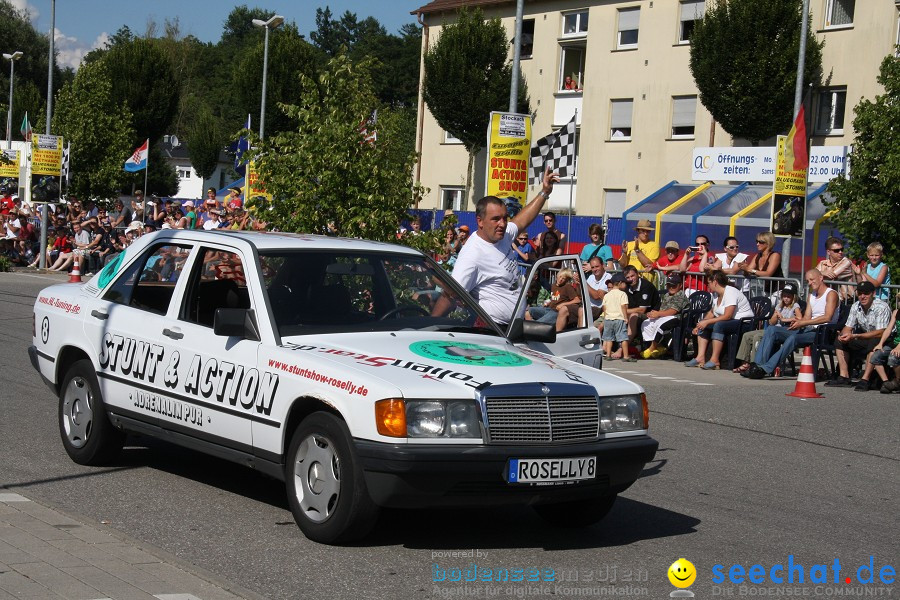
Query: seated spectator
<point x="671" y="259"/>
<point x="190" y="215"/>
<point x="641" y="253"/>
<point x="615" y="310"/>
<point x="597" y="248"/>
<point x="524" y="251"/>
<point x="821" y="307"/>
<point x="233" y="200"/>
<point x="65" y="247"/>
<point x="730" y="260"/>
<point x="695" y="264"/>
<point x="869" y="318"/>
<point x="597" y="283"/>
<point x="787" y="310"/>
<point x="887" y="352"/>
<point x="120" y="217"/>
<point x="659" y="322"/>
<point x="213" y="219"/>
<point x="642" y="298"/>
<point x="563" y="294"/>
<point x="836" y="266"/>
<point x="415" y="226"/>
<point x="728" y="308"/>
<point x="765" y="263"/>
<point x="876" y="272"/>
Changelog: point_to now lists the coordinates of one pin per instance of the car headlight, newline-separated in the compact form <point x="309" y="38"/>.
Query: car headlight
<point x="428" y="418"/>
<point x="621" y="413"/>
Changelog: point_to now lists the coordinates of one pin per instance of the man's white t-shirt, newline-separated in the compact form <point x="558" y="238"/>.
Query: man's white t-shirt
<point x="598" y="285"/>
<point x="490" y="274"/>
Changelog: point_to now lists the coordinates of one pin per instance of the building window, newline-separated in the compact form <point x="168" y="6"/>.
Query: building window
<point x="571" y="75"/>
<point x="451" y="197"/>
<point x="575" y="23"/>
<point x="839" y="13"/>
<point x="526" y="47"/>
<point x="629" y="18"/>
<point x="184" y="173"/>
<point x="691" y="12"/>
<point x="830" y="111"/>
<point x="450" y="139"/>
<point x="684" y="112"/>
<point x="620" y="119"/>
<point x="615" y="203"/>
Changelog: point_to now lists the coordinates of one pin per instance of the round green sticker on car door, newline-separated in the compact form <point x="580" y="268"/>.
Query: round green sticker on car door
<point x="464" y="353"/>
<point x="110" y="270"/>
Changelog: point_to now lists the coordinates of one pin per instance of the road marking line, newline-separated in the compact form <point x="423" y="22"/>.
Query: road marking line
<point x="696" y="383"/>
<point x="662" y="377"/>
<point x="10" y="497"/>
<point x="176" y="597"/>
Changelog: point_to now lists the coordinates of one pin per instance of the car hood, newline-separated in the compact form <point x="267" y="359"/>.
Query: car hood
<point x="432" y="364"/>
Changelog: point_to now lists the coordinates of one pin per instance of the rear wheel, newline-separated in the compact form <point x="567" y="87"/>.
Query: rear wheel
<point x="87" y="435"/>
<point x="325" y="483"/>
<point x="576" y="513"/>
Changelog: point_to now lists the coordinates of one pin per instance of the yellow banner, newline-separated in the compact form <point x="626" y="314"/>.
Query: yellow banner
<point x="254" y="188"/>
<point x="10" y="166"/>
<point x="792" y="183"/>
<point x="788" y="198"/>
<point x="509" y="143"/>
<point x="46" y="154"/>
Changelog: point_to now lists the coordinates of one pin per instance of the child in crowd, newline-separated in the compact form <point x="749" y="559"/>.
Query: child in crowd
<point x="887" y="352"/>
<point x="787" y="310"/>
<point x="615" y="324"/>
<point x="876" y="271"/>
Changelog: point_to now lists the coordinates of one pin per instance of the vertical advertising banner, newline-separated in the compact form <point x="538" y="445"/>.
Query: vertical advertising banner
<point x="788" y="196"/>
<point x="508" y="145"/>
<point x="9" y="169"/>
<point x="46" y="166"/>
<point x="254" y="188"/>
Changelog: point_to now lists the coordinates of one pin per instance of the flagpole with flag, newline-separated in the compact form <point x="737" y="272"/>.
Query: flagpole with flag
<point x="572" y="184"/>
<point x="796" y="155"/>
<point x="140" y="159"/>
<point x="25" y="129"/>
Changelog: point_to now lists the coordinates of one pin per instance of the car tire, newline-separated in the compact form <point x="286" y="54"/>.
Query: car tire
<point x="325" y="483"/>
<point x="87" y="434"/>
<point x="576" y="513"/>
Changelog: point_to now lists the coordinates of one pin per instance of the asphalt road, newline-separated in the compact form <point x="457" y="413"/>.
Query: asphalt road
<point x="744" y="475"/>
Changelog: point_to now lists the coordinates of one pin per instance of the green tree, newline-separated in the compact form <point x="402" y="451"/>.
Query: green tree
<point x="99" y="129"/>
<point x="744" y="62"/>
<point x="467" y="75"/>
<point x="322" y="174"/>
<point x="864" y="201"/>
<point x="205" y="141"/>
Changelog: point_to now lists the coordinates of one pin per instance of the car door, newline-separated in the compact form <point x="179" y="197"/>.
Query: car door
<point x="579" y="340"/>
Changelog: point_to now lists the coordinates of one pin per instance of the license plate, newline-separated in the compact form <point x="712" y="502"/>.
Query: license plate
<point x="552" y="470"/>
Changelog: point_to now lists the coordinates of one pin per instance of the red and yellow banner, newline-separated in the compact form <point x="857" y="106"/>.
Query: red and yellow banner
<point x="46" y="154"/>
<point x="254" y="188"/>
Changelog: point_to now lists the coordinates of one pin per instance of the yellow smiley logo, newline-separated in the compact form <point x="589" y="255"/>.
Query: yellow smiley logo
<point x="682" y="573"/>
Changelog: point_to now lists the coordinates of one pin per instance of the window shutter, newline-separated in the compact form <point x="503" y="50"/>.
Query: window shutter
<point x="621" y="114"/>
<point x="692" y="9"/>
<point x="629" y="19"/>
<point x="684" y="111"/>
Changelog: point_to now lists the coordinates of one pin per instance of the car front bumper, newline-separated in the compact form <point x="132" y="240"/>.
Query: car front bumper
<point x="407" y="475"/>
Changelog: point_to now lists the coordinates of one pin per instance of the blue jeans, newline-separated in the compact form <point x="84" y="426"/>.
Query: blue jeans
<point x="769" y="360"/>
<point x="720" y="329"/>
<point x="542" y="314"/>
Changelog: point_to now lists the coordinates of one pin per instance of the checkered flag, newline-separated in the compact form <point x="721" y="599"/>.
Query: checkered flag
<point x="65" y="172"/>
<point x="556" y="151"/>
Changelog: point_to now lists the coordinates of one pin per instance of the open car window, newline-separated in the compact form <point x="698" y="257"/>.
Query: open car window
<point x="149" y="283"/>
<point x="327" y="291"/>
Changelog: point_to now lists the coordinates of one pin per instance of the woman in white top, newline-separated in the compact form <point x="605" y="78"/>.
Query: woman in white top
<point x="728" y="308"/>
<point x="730" y="261"/>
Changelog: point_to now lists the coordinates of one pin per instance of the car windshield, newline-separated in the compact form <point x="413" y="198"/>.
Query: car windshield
<point x="312" y="292"/>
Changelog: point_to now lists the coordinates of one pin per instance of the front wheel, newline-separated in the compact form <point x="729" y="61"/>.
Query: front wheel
<point x="325" y="484"/>
<point x="87" y="435"/>
<point x="576" y="513"/>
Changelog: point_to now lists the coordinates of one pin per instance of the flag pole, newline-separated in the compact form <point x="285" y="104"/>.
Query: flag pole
<point x="572" y="185"/>
<point x="146" y="170"/>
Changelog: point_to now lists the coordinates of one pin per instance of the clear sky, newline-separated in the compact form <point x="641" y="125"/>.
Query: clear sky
<point x="82" y="25"/>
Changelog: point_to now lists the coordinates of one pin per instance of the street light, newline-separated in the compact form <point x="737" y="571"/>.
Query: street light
<point x="272" y="23"/>
<point x="12" y="58"/>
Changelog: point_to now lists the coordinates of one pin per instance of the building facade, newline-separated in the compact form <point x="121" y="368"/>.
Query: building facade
<point x="624" y="66"/>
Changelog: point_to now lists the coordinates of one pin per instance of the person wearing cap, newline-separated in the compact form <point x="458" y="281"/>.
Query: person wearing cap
<point x="786" y="311"/>
<point x="7" y="204"/>
<point x="233" y="200"/>
<point x="486" y="266"/>
<point x="213" y="220"/>
<point x="462" y="234"/>
<point x="670" y="261"/>
<point x="190" y="214"/>
<point x="660" y="322"/>
<point x="615" y="315"/>
<point x="821" y="307"/>
<point x="642" y="252"/>
<point x="868" y="319"/>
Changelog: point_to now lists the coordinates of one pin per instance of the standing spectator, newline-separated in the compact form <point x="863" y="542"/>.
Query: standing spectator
<point x="525" y="252"/>
<point x="190" y="214"/>
<point x="868" y="319"/>
<point x="695" y="264"/>
<point x="462" y="234"/>
<point x="549" y="243"/>
<point x="597" y="283"/>
<point x="120" y="216"/>
<point x="233" y="200"/>
<point x="597" y="248"/>
<point x="787" y="310"/>
<point x="615" y="311"/>
<point x="765" y="263"/>
<point x="7" y="204"/>
<point x="643" y="297"/>
<point x="670" y="261"/>
<point x="661" y="321"/>
<point x="447" y="254"/>
<point x="137" y="207"/>
<point x="415" y="225"/>
<point x="642" y="252"/>
<point x="876" y="272"/>
<point x="724" y="318"/>
<point x="213" y="220"/>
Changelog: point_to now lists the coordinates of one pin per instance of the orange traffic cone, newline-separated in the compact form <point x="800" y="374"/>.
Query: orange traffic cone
<point x="75" y="275"/>
<point x="806" y="379"/>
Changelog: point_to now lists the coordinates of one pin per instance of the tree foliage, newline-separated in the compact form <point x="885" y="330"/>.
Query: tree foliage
<point x="99" y="128"/>
<point x="205" y="140"/>
<point x="744" y="62"/>
<point x="864" y="202"/>
<point x="322" y="173"/>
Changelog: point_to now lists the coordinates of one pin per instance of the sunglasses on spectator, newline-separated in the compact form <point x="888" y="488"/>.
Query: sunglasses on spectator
<point x="732" y="247"/>
<point x="702" y="243"/>
<point x="841" y="249"/>
<point x="760" y="241"/>
<point x="548" y="220"/>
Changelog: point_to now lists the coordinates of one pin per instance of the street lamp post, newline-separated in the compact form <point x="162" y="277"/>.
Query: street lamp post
<point x="12" y="58"/>
<point x="272" y="23"/>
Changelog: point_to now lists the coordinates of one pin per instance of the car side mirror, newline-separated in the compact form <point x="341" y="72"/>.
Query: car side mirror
<point x="236" y="322"/>
<point x="531" y="331"/>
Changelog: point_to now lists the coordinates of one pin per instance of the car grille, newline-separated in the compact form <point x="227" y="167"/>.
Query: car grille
<point x="542" y="419"/>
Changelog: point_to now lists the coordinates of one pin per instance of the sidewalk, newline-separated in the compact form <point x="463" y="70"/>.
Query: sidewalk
<point x="45" y="555"/>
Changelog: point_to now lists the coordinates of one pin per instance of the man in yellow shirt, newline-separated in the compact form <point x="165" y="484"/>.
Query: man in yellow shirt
<point x="642" y="253"/>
